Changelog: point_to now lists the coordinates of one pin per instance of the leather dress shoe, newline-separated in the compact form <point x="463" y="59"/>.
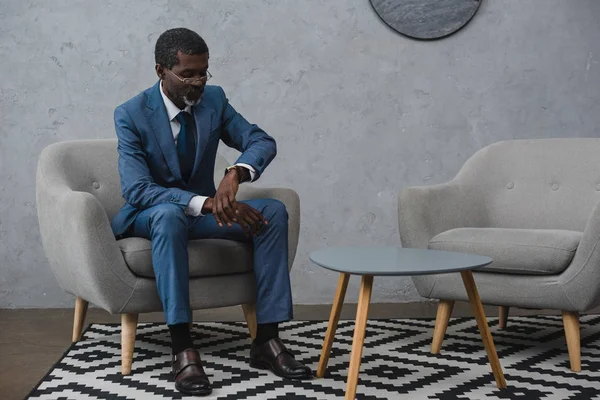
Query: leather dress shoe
<point x="273" y="356"/>
<point x="189" y="375"/>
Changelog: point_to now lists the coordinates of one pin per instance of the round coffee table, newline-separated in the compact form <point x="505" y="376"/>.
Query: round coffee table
<point x="395" y="261"/>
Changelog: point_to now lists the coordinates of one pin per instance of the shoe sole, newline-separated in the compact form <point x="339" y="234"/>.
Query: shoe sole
<point x="194" y="392"/>
<point x="264" y="366"/>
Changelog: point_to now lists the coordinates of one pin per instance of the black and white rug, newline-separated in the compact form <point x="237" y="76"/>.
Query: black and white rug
<point x="396" y="362"/>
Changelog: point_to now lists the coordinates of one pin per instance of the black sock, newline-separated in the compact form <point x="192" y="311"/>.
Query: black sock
<point x="181" y="338"/>
<point x="266" y="332"/>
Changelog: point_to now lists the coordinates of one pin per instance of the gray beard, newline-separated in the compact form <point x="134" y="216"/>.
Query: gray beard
<point x="189" y="102"/>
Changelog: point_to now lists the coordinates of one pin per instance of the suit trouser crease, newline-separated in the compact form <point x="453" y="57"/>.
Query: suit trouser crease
<point x="169" y="230"/>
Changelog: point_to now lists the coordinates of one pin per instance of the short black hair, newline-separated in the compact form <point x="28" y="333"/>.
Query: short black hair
<point x="175" y="40"/>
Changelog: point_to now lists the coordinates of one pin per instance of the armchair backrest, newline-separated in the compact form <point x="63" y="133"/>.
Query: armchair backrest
<point x="538" y="183"/>
<point x="90" y="166"/>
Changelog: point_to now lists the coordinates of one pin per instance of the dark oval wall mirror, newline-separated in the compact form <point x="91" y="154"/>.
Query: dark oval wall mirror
<point x="426" y="19"/>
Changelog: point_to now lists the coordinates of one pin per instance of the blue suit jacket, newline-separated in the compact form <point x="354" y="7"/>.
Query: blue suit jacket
<point x="148" y="162"/>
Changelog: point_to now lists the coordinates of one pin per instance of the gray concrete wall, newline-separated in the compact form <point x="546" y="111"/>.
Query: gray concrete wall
<point x="358" y="111"/>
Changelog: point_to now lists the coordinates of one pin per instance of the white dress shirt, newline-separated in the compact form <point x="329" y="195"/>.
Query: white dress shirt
<point x="194" y="208"/>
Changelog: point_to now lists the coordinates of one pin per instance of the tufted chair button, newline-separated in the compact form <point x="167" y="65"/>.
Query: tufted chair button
<point x="555" y="186"/>
<point x="598" y="187"/>
<point x="96" y="185"/>
<point x="510" y="185"/>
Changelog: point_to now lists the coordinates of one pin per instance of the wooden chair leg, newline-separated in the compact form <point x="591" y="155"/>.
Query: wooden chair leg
<point x="81" y="307"/>
<point x="334" y="317"/>
<point x="128" y="328"/>
<point x="442" y="318"/>
<point x="362" y="311"/>
<point x="571" y="323"/>
<point x="502" y="316"/>
<point x="484" y="329"/>
<point x="250" y="315"/>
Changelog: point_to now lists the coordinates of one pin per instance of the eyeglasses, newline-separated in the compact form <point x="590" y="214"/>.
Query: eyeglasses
<point x="191" y="81"/>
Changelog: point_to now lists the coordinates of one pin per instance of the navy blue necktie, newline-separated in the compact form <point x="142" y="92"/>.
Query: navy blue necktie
<point x="186" y="146"/>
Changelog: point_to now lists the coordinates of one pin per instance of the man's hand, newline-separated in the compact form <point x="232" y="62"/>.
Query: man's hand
<point x="250" y="219"/>
<point x="225" y="206"/>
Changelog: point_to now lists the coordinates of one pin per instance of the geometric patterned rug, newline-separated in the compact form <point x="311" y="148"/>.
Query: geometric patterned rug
<point x="396" y="362"/>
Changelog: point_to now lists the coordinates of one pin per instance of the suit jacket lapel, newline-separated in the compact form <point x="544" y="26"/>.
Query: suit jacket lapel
<point x="161" y="126"/>
<point x="203" y="117"/>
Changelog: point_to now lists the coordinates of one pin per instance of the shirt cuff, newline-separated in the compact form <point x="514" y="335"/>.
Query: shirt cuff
<point x="249" y="168"/>
<point x="194" y="208"/>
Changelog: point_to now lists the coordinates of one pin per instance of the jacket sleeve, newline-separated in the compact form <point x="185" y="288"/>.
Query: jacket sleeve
<point x="257" y="147"/>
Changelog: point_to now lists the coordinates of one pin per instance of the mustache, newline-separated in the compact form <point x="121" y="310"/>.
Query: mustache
<point x="193" y="90"/>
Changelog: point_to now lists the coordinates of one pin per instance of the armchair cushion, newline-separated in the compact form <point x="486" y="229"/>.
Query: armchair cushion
<point x="208" y="257"/>
<point x="514" y="251"/>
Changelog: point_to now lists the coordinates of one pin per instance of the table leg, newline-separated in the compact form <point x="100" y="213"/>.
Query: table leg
<point x="442" y="318"/>
<point x="484" y="330"/>
<point x="362" y="311"/>
<point x="334" y="317"/>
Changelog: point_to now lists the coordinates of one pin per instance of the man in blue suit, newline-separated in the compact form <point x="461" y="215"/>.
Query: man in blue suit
<point x="167" y="143"/>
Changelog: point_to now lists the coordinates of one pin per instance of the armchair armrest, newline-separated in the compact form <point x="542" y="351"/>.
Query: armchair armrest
<point x="291" y="200"/>
<point x="581" y="280"/>
<point x="81" y="247"/>
<point x="425" y="211"/>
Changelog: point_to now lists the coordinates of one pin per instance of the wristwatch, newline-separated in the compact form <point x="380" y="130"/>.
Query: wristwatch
<point x="240" y="175"/>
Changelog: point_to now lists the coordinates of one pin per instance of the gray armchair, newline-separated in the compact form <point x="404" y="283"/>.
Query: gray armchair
<point x="78" y="192"/>
<point x="531" y="205"/>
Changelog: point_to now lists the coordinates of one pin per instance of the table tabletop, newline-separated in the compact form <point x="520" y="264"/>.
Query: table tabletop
<point x="395" y="261"/>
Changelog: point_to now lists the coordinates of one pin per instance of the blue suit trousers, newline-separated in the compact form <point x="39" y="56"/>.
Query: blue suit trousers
<point x="169" y="229"/>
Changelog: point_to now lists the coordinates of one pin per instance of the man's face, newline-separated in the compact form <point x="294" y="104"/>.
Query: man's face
<point x="192" y="67"/>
